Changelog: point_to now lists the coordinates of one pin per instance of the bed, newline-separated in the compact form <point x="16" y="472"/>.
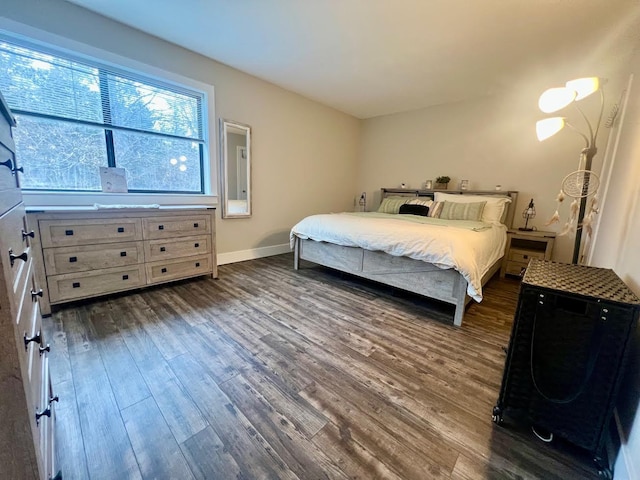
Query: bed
<point x="447" y="259"/>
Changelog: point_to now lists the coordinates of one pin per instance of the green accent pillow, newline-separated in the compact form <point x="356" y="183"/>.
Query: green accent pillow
<point x="462" y="211"/>
<point x="392" y="204"/>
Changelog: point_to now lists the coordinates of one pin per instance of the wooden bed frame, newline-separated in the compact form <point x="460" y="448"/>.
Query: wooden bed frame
<point x="405" y="273"/>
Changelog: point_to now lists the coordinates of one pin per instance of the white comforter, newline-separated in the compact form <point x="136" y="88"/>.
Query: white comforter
<point x="471" y="248"/>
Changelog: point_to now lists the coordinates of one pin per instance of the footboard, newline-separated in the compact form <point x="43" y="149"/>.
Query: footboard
<point x="401" y="272"/>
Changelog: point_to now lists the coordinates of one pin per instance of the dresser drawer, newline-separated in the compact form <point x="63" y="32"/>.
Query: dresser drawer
<point x="181" y="268"/>
<point x="176" y="226"/>
<point x="65" y="233"/>
<point x="172" y="248"/>
<point x="523" y="256"/>
<point x="86" y="284"/>
<point x="9" y="184"/>
<point x="515" y="268"/>
<point x="12" y="243"/>
<point x="8" y="178"/>
<point x="45" y="424"/>
<point x="30" y="326"/>
<point x="92" y="257"/>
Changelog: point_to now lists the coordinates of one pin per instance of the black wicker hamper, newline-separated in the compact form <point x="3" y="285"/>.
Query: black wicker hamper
<point x="566" y="355"/>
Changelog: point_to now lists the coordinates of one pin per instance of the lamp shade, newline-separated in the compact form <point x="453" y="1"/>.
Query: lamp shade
<point x="583" y="86"/>
<point x="549" y="127"/>
<point x="555" y="99"/>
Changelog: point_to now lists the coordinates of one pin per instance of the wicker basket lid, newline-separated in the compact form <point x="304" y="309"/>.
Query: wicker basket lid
<point x="600" y="283"/>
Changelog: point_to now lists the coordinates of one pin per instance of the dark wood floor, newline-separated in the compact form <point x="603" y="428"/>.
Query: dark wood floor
<point x="269" y="373"/>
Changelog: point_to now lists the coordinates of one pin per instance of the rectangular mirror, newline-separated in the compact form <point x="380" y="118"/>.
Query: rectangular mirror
<point x="235" y="166"/>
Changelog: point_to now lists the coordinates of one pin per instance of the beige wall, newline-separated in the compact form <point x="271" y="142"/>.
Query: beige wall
<point x="304" y="154"/>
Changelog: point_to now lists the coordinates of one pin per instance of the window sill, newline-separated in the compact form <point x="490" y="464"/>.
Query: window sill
<point x="89" y="199"/>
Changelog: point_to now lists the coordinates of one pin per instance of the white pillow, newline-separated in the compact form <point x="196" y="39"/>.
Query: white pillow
<point x="427" y="202"/>
<point x="493" y="210"/>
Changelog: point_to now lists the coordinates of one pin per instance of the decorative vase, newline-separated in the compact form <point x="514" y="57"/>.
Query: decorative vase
<point x="440" y="186"/>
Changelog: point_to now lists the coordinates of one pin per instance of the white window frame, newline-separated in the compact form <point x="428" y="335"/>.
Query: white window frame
<point x="80" y="50"/>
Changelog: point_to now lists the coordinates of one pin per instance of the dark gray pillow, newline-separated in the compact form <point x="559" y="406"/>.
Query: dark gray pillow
<point x="410" y="209"/>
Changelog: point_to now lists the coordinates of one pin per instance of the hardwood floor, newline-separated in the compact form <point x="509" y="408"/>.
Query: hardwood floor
<point x="269" y="373"/>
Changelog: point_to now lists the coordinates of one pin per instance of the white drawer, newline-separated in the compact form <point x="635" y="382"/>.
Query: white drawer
<point x="523" y="256"/>
<point x="92" y="257"/>
<point x="14" y="247"/>
<point x="65" y="233"/>
<point x="71" y="286"/>
<point x="163" y="271"/>
<point x="9" y="189"/>
<point x="176" y="226"/>
<point x="173" y="248"/>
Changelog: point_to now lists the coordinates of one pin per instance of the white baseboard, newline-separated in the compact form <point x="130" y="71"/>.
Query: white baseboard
<point x="242" y="255"/>
<point x="623" y="468"/>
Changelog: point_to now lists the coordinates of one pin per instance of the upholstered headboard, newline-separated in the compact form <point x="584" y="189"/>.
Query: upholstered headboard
<point x="508" y="215"/>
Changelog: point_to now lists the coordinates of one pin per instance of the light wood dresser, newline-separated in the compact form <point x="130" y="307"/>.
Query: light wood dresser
<point x="87" y="252"/>
<point x="27" y="415"/>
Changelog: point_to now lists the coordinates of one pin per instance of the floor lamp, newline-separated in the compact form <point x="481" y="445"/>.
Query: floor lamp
<point x="581" y="183"/>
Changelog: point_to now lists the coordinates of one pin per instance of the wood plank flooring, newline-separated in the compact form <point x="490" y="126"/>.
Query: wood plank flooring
<point x="269" y="373"/>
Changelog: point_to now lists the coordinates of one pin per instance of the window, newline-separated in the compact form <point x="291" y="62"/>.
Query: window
<point x="76" y="115"/>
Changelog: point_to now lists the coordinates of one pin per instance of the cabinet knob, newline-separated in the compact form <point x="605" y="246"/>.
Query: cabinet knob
<point x="47" y="349"/>
<point x="36" y="293"/>
<point x="163" y="249"/>
<point x="31" y="234"/>
<point x="36" y="338"/>
<point x="120" y="229"/>
<point x="195" y="225"/>
<point x="160" y="227"/>
<point x="13" y="257"/>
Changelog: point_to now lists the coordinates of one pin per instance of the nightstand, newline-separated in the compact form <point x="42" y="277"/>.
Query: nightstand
<point x="522" y="246"/>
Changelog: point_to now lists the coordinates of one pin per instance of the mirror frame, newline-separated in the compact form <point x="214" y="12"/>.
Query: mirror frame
<point x="225" y="125"/>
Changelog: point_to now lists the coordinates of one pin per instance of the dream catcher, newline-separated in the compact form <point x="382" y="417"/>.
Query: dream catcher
<point x="578" y="185"/>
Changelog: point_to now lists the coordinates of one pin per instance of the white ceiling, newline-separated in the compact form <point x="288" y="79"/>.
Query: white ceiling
<point x="375" y="57"/>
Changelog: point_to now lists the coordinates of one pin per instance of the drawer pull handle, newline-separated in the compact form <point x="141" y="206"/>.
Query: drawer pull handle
<point x="525" y="256"/>
<point x="44" y="413"/>
<point x="123" y="254"/>
<point x="8" y="163"/>
<point x="76" y="285"/>
<point x="125" y="277"/>
<point x="12" y="257"/>
<point x="36" y="338"/>
<point x="73" y="259"/>
<point x="163" y="249"/>
<point x="164" y="270"/>
<point x="120" y="229"/>
<point x="44" y="349"/>
<point x="197" y="245"/>
<point x="36" y="293"/>
<point x="68" y="232"/>
<point x="31" y="234"/>
<point x="195" y="225"/>
<point x="197" y="264"/>
<point x="47" y="411"/>
<point x="160" y="227"/>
